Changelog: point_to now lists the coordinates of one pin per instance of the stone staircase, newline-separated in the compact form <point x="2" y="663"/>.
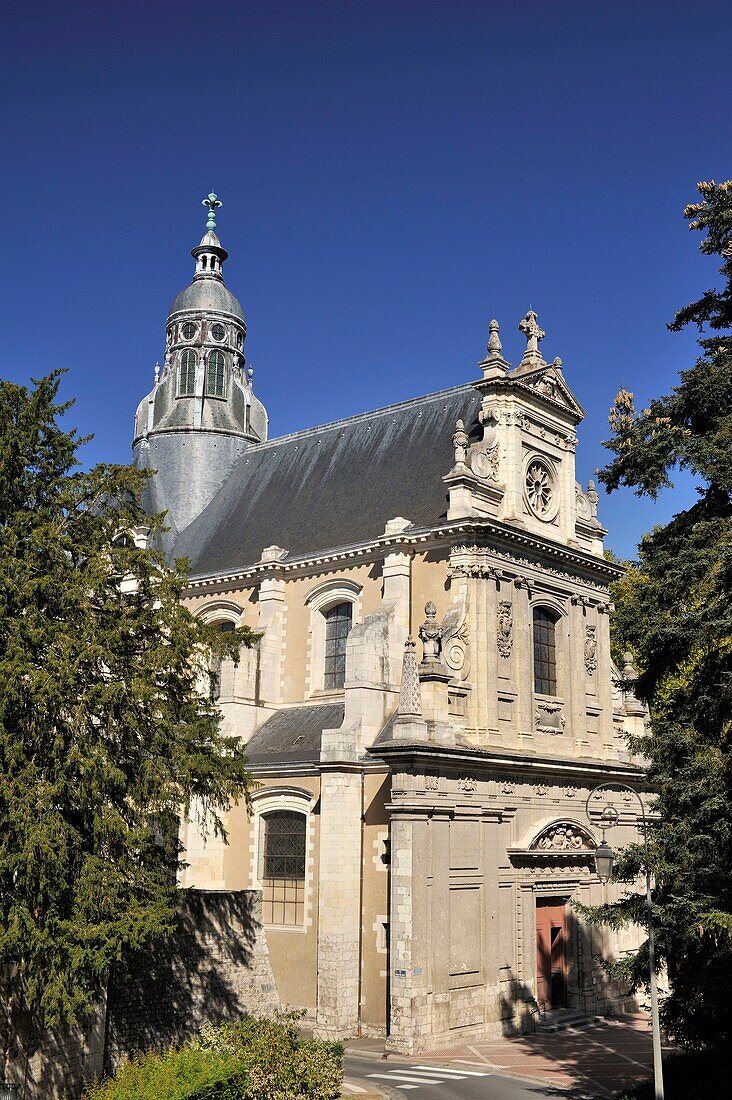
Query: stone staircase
<point x="561" y="1019"/>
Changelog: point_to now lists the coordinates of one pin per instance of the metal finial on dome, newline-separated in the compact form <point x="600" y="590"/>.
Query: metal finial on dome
<point x="213" y="203"/>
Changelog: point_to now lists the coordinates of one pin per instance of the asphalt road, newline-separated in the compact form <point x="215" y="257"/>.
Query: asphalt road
<point x="453" y="1083"/>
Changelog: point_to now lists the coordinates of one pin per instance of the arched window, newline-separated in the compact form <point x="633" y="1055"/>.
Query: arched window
<point x="545" y="651"/>
<point x="187" y="373"/>
<point x="338" y="620"/>
<point x="215" y="375"/>
<point x="215" y="663"/>
<point x="282" y="862"/>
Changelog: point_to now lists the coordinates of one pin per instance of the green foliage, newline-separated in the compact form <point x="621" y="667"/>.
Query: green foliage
<point x="105" y="737"/>
<point x="691" y="1075"/>
<point x="176" y="1075"/>
<point x="674" y="613"/>
<point x="257" y="1058"/>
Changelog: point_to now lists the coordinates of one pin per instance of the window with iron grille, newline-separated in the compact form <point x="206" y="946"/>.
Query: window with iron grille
<point x="187" y="373"/>
<point x="282" y="867"/>
<point x="215" y="377"/>
<point x="338" y="620"/>
<point x="545" y="651"/>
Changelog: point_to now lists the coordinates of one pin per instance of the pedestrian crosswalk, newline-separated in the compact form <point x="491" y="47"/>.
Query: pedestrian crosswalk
<point x="412" y="1077"/>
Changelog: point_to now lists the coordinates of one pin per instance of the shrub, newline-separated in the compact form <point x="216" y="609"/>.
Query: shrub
<point x="182" y="1074"/>
<point x="258" y="1058"/>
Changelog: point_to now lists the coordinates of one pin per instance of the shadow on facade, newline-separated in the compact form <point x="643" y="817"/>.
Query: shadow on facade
<point x="201" y="974"/>
<point x="214" y="967"/>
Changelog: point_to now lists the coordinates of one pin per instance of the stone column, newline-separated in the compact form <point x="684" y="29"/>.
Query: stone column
<point x="604" y="682"/>
<point x="339" y="901"/>
<point x="523" y="641"/>
<point x="410" y="923"/>
<point x="575" y="690"/>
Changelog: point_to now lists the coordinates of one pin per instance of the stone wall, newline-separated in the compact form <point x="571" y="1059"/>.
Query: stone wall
<point x="214" y="967"/>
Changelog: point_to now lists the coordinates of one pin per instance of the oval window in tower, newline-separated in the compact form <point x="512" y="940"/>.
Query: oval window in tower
<point x="188" y="330"/>
<point x="218" y="332"/>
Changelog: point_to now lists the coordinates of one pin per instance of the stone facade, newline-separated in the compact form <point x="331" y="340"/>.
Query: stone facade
<point x="422" y="803"/>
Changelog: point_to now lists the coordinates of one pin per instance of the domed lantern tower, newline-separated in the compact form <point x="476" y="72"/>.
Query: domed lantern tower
<point x="201" y="413"/>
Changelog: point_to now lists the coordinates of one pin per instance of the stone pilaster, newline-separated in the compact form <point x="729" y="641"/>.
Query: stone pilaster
<point x="410" y="933"/>
<point x="339" y="903"/>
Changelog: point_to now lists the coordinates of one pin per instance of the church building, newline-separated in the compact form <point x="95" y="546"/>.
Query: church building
<point x="432" y="699"/>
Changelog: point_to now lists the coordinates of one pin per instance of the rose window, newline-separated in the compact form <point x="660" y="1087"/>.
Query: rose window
<point x="539" y="489"/>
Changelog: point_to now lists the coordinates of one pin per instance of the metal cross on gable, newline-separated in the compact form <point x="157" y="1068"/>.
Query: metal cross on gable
<point x="213" y="203"/>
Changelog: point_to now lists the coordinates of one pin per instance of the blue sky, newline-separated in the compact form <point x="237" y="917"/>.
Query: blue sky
<point x="394" y="174"/>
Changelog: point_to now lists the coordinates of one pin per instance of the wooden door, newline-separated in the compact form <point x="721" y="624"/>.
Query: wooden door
<point x="551" y="952"/>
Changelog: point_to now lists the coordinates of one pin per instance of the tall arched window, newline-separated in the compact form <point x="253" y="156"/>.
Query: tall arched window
<point x="215" y="377"/>
<point x="215" y="663"/>
<point x="545" y="651"/>
<point x="338" y="620"/>
<point x="187" y="373"/>
<point x="282" y="856"/>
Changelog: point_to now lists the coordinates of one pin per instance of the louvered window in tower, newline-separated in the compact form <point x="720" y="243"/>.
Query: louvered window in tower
<point x="282" y="867"/>
<point x="215" y="376"/>
<point x="187" y="373"/>
<point x="338" y="621"/>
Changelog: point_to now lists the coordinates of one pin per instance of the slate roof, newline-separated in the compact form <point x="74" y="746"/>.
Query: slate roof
<point x="332" y="486"/>
<point x="293" y="735"/>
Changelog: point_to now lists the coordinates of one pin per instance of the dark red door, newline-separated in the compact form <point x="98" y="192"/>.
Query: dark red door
<point x="551" y="952"/>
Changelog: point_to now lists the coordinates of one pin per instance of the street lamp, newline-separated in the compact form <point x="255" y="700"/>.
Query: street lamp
<point x="604" y="858"/>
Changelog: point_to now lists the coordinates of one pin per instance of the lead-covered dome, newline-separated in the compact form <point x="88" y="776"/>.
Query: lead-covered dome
<point x="207" y="296"/>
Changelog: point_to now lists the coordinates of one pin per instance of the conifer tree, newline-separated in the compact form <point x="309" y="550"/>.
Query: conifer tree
<point x="674" y="612"/>
<point x="105" y="734"/>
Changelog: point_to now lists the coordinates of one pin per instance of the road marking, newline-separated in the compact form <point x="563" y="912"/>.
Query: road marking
<point x="448" y="1069"/>
<point x="398" y="1083"/>
<point x="415" y="1081"/>
<point x="348" y="1087"/>
<point x="433" y="1071"/>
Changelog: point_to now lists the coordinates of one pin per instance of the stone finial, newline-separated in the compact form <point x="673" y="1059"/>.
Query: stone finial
<point x="594" y="498"/>
<point x="530" y="328"/>
<point x="460" y="442"/>
<point x="157" y="373"/>
<point x="494" y="364"/>
<point x="629" y="672"/>
<point x="250" y="377"/>
<point x="410" y="699"/>
<point x="430" y="634"/>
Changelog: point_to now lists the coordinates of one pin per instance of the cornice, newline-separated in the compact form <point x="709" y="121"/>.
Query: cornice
<point x="411" y="540"/>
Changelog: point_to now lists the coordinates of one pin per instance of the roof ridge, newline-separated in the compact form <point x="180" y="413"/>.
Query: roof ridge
<point x="360" y="417"/>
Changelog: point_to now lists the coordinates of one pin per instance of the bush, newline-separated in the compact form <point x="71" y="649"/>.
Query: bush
<point x="689" y="1075"/>
<point x="182" y="1074"/>
<point x="258" y="1058"/>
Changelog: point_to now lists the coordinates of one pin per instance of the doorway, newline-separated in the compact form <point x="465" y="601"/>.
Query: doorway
<point x="551" y="952"/>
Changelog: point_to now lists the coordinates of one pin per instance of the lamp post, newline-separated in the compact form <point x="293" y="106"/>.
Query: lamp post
<point x="604" y="858"/>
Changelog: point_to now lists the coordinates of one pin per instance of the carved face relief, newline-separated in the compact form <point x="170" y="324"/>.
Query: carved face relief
<point x="562" y="838"/>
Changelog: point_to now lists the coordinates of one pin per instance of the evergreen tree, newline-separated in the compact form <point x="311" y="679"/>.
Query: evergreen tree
<point x="105" y="734"/>
<point x="674" y="611"/>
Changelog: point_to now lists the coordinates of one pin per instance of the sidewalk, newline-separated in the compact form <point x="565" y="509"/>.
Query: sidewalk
<point x="598" y="1058"/>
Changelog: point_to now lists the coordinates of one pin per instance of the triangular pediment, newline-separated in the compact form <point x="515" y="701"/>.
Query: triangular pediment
<point x="549" y="382"/>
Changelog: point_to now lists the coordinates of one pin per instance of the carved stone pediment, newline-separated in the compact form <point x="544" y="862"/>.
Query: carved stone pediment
<point x="559" y="842"/>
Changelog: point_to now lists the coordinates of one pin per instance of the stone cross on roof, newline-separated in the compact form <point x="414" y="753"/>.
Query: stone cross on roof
<point x="213" y="203"/>
<point x="530" y="328"/>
